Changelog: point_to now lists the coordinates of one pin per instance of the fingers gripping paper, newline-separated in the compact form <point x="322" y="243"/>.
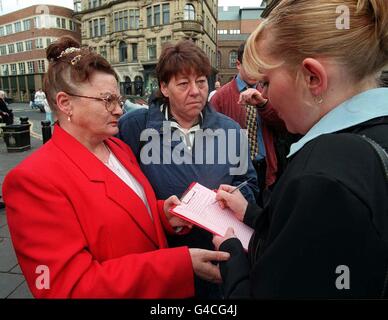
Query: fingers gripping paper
<point x="199" y="207"/>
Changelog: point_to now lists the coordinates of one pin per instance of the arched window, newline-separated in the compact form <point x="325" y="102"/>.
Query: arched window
<point x="218" y="59"/>
<point x="232" y="59"/>
<point x="123" y="52"/>
<point x="189" y="12"/>
<point x="127" y="85"/>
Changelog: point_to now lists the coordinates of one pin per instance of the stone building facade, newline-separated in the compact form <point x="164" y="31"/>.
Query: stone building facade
<point x="131" y="34"/>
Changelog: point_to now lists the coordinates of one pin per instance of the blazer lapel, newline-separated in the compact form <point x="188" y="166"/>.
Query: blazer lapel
<point x="116" y="189"/>
<point x="132" y="166"/>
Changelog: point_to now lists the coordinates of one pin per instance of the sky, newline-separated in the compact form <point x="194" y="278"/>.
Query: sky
<point x="12" y="5"/>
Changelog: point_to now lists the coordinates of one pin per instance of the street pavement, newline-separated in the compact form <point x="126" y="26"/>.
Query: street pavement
<point x="12" y="282"/>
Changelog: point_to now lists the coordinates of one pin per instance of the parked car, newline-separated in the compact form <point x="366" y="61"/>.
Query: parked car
<point x="133" y="103"/>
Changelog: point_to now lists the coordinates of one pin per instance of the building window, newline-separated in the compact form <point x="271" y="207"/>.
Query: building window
<point x="63" y="20"/>
<point x="97" y="27"/>
<point x="41" y="66"/>
<point x="103" y="51"/>
<point x="134" y="52"/>
<point x="28" y="45"/>
<point x="71" y="25"/>
<point x="13" y="69"/>
<point x="102" y="26"/>
<point x="19" y="47"/>
<point x="222" y="31"/>
<point x="149" y="17"/>
<point x="121" y="20"/>
<point x="22" y="68"/>
<point x="157" y="15"/>
<point x="37" y="22"/>
<point x="8" y="29"/>
<point x="3" y="50"/>
<point x="166" y="13"/>
<point x="58" y="22"/>
<point x="218" y="59"/>
<point x="4" y="69"/>
<point x="18" y="26"/>
<point x="1" y="31"/>
<point x="39" y="43"/>
<point x="123" y="52"/>
<point x="48" y="42"/>
<point x="31" y="67"/>
<point x="11" y="48"/>
<point x="163" y="40"/>
<point x="77" y="7"/>
<point x="125" y="20"/>
<point x="189" y="12"/>
<point x="94" y="3"/>
<point x="234" y="31"/>
<point x="134" y="16"/>
<point x="27" y="24"/>
<point x="90" y="29"/>
<point x="232" y="59"/>
<point x="151" y="48"/>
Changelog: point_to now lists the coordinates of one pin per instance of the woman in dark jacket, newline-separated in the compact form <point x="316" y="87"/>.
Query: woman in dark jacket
<point x="6" y="114"/>
<point x="324" y="233"/>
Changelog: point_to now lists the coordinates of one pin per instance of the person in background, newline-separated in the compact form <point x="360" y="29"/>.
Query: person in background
<point x="324" y="233"/>
<point x="384" y="79"/>
<point x="269" y="141"/>
<point x="217" y="85"/>
<point x="39" y="99"/>
<point x="84" y="220"/>
<point x="180" y="119"/>
<point x="48" y="111"/>
<point x="6" y="114"/>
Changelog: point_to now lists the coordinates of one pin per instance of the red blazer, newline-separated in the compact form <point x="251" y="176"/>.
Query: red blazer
<point x="66" y="210"/>
<point x="225" y="101"/>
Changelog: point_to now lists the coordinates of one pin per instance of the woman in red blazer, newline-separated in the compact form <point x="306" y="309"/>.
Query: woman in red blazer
<point x="83" y="218"/>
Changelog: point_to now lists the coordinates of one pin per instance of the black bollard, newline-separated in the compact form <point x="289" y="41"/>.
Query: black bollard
<point x="23" y="120"/>
<point x="46" y="130"/>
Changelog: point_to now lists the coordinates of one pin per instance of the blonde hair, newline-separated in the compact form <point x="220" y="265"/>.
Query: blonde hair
<point x="299" y="29"/>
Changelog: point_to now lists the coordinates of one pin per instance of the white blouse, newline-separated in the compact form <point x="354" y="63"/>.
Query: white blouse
<point x="116" y="167"/>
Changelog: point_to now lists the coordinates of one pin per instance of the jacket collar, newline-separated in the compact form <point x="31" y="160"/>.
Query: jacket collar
<point x="115" y="188"/>
<point x="363" y="107"/>
<point x="156" y="119"/>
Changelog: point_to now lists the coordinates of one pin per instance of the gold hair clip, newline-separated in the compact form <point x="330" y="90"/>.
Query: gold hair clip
<point x="68" y="51"/>
<point x="75" y="59"/>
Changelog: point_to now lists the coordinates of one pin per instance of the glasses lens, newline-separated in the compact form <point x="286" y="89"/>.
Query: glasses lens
<point x="111" y="100"/>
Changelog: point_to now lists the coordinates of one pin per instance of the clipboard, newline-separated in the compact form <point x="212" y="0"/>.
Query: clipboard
<point x="198" y="206"/>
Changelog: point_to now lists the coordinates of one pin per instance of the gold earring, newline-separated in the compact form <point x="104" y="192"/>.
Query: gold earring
<point x="318" y="99"/>
<point x="69" y="117"/>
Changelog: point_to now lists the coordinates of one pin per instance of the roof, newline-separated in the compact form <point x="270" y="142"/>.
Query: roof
<point x="235" y="13"/>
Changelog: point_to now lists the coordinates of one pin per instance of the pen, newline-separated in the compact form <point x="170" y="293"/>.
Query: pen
<point x="242" y="184"/>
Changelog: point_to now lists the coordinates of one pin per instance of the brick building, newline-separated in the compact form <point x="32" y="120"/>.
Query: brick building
<point x="235" y="24"/>
<point x="24" y="36"/>
<point x="131" y="34"/>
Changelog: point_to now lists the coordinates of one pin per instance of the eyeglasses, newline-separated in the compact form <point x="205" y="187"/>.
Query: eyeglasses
<point x="109" y="99"/>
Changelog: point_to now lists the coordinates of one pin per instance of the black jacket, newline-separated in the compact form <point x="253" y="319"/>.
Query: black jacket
<point x="329" y="209"/>
<point x="3" y="106"/>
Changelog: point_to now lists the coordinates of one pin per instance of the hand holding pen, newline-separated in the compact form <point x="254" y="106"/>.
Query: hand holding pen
<point x="230" y="197"/>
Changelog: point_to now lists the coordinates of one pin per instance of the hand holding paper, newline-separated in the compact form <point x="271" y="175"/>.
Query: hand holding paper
<point x="198" y="205"/>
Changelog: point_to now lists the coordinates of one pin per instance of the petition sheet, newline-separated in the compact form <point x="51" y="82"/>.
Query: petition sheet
<point x="199" y="206"/>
